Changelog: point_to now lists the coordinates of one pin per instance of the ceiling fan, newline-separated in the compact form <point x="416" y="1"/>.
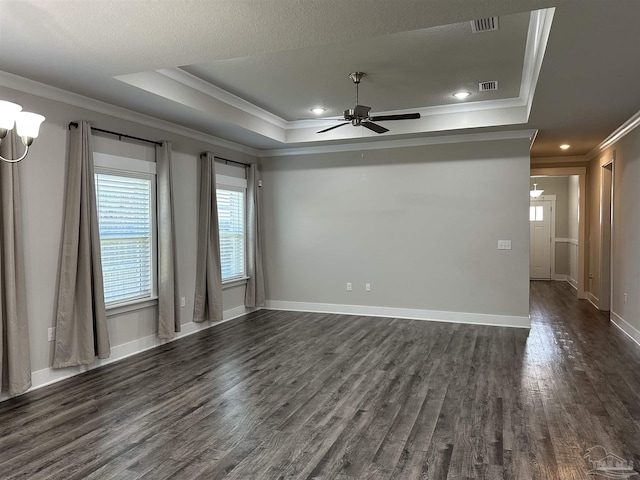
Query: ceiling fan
<point x="359" y="115"/>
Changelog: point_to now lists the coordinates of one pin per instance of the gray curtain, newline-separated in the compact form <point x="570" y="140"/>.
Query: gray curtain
<point x="208" y="297"/>
<point x="15" y="363"/>
<point x="81" y="321"/>
<point x="254" y="294"/>
<point x="168" y="291"/>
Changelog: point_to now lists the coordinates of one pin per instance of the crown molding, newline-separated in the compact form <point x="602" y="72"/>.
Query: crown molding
<point x="409" y="142"/>
<point x="533" y="139"/>
<point x="192" y="92"/>
<point x="558" y="160"/>
<point x="49" y="92"/>
<point x="537" y="38"/>
<point x="214" y="91"/>
<point x="624" y="129"/>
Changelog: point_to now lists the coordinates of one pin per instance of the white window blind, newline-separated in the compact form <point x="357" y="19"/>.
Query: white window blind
<point x="232" y="231"/>
<point x="125" y="219"/>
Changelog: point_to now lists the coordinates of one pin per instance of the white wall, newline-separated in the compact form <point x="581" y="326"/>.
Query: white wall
<point x="626" y="230"/>
<point x="573" y="208"/>
<point x="43" y="185"/>
<point x="421" y="224"/>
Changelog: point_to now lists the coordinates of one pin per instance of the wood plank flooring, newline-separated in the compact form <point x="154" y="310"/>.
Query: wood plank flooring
<point x="285" y="395"/>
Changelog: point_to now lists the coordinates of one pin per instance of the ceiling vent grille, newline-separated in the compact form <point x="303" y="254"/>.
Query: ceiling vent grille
<point x="484" y="24"/>
<point x="488" y="86"/>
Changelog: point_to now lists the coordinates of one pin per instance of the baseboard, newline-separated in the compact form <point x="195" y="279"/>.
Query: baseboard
<point x="47" y="376"/>
<point x="404" y="313"/>
<point x="558" y="277"/>
<point x="623" y="325"/>
<point x="573" y="282"/>
<point x="593" y="300"/>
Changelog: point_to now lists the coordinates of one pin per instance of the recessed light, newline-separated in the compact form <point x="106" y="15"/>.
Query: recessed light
<point x="318" y="110"/>
<point x="461" y="95"/>
<point x="564" y="146"/>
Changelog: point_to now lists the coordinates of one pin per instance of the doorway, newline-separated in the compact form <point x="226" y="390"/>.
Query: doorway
<point x="540" y="225"/>
<point x="606" y="220"/>
<point x="577" y="233"/>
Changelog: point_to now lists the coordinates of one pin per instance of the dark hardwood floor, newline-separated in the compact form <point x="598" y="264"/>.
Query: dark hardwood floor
<point x="284" y="395"/>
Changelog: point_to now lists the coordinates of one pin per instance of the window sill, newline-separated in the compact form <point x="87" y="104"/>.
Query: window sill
<point x="234" y="282"/>
<point x="126" y="307"/>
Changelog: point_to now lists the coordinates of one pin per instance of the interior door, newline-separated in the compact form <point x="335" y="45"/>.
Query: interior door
<point x="540" y="239"/>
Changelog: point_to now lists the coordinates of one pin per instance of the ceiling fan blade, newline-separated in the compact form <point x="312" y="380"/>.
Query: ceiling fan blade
<point x="402" y="116"/>
<point x="376" y="128"/>
<point x="331" y="128"/>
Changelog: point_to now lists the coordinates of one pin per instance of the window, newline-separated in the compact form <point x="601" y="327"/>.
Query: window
<point x="230" y="195"/>
<point x="126" y="204"/>
<point x="536" y="213"/>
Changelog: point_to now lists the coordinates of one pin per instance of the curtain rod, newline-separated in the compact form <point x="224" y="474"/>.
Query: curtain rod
<point x="123" y="135"/>
<point x="119" y="135"/>
<point x="232" y="161"/>
<point x="226" y="160"/>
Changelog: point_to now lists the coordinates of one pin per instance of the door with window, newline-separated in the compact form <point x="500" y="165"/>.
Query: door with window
<point x="540" y="239"/>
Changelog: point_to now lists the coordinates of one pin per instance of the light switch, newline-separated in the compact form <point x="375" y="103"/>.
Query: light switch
<point x="504" y="244"/>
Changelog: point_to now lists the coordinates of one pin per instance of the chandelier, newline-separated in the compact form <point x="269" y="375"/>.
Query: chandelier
<point x="27" y="126"/>
<point x="535" y="193"/>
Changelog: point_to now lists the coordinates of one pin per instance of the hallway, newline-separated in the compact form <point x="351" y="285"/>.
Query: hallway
<point x="584" y="376"/>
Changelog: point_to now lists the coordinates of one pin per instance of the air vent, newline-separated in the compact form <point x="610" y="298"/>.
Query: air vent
<point x="487" y="86"/>
<point x="484" y="24"/>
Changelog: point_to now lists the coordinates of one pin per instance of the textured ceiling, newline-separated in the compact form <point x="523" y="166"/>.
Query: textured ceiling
<point x="283" y="56"/>
<point x="405" y="70"/>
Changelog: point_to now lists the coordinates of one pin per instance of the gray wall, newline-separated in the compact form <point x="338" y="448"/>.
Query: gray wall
<point x="43" y="184"/>
<point x="421" y="224"/>
<point x="626" y="230"/>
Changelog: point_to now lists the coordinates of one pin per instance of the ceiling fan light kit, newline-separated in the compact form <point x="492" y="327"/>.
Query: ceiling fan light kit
<point x="359" y="115"/>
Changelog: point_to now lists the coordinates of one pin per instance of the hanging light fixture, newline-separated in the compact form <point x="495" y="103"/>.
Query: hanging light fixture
<point x="535" y="193"/>
<point x="27" y="125"/>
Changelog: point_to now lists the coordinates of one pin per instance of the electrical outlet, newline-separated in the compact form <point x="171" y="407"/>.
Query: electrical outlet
<point x="504" y="244"/>
<point x="183" y="302"/>
<point x="367" y="287"/>
<point x="51" y="333"/>
<point x="349" y="286"/>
